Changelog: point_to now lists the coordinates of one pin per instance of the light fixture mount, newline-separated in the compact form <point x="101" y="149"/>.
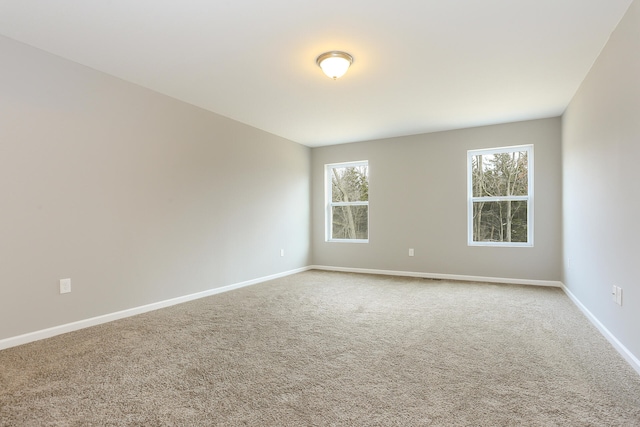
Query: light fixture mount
<point x="334" y="63"/>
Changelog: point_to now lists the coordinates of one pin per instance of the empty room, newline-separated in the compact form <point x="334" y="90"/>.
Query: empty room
<point x="345" y="213"/>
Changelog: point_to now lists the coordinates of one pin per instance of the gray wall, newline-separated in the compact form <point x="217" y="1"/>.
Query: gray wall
<point x="140" y="198"/>
<point x="601" y="150"/>
<point x="418" y="199"/>
<point x="135" y="196"/>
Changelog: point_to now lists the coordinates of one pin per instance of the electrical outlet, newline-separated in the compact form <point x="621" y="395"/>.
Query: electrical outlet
<point x="281" y="252"/>
<point x="65" y="286"/>
<point x="411" y="252"/>
<point x="618" y="295"/>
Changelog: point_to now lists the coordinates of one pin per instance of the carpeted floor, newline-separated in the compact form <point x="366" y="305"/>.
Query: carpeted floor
<point x="331" y="349"/>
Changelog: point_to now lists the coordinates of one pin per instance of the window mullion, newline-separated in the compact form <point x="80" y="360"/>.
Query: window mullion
<point x="499" y="199"/>
<point x="349" y="203"/>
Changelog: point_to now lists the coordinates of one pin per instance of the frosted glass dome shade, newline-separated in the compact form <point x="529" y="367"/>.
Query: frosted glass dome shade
<point x="334" y="64"/>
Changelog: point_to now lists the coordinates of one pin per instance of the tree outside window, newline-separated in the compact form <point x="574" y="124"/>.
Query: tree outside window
<point x="347" y="188"/>
<point x="500" y="190"/>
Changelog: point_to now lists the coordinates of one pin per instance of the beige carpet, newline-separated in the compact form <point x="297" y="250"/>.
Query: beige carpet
<point x="331" y="349"/>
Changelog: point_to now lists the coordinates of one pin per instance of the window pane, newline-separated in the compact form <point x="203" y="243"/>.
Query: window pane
<point x="501" y="174"/>
<point x="350" y="184"/>
<point x="350" y="222"/>
<point x="500" y="221"/>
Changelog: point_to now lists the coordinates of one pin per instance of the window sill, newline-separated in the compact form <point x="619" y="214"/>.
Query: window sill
<point x="501" y="244"/>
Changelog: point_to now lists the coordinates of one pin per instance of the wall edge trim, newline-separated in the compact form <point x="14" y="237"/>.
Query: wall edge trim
<point x="551" y="283"/>
<point x="624" y="351"/>
<point x="617" y="345"/>
<point x="94" y="321"/>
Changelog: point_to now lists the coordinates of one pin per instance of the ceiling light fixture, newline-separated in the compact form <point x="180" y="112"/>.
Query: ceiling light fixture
<point x="334" y="64"/>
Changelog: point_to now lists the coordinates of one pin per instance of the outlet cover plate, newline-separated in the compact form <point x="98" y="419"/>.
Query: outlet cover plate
<point x="65" y="286"/>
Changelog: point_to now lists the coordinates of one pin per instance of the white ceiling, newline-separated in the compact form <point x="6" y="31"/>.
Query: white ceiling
<point x="420" y="65"/>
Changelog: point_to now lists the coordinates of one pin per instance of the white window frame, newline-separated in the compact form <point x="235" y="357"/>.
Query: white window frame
<point x="528" y="198"/>
<point x="329" y="204"/>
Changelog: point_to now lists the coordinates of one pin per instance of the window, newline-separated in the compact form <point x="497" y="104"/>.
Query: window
<point x="500" y="196"/>
<point x="347" y="195"/>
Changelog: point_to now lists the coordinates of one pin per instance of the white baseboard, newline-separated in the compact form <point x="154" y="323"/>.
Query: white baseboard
<point x="624" y="351"/>
<point x="620" y="348"/>
<point x="551" y="283"/>
<point x="81" y="324"/>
